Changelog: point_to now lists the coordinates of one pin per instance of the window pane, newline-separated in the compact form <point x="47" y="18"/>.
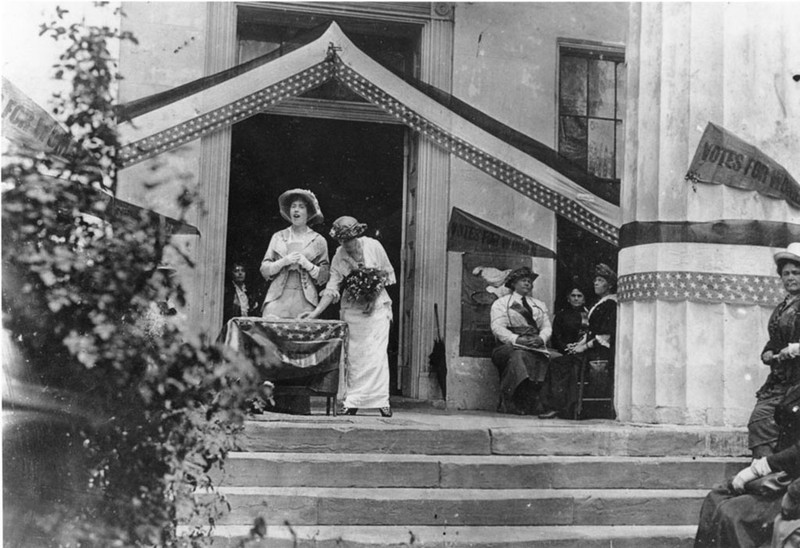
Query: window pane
<point x="621" y="82"/>
<point x="573" y="85"/>
<point x="602" y="85"/>
<point x="601" y="161"/>
<point x="572" y="139"/>
<point x="620" y="150"/>
<point x="250" y="49"/>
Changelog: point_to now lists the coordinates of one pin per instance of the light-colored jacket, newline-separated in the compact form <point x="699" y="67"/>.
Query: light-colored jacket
<point x="315" y="250"/>
<point x="507" y="314"/>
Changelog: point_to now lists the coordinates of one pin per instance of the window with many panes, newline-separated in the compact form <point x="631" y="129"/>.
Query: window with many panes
<point x="591" y="107"/>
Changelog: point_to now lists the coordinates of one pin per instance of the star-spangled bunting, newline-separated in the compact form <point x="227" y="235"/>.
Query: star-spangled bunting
<point x="701" y="287"/>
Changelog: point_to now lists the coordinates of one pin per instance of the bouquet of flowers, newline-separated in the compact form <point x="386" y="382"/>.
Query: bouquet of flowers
<point x="363" y="285"/>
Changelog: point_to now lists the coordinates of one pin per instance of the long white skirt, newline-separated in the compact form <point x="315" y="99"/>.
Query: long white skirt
<point x="367" y="377"/>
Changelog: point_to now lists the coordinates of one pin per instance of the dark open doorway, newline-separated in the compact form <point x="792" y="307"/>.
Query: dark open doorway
<point x="354" y="168"/>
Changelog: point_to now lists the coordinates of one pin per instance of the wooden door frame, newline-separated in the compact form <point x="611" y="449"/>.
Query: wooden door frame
<point x="436" y="48"/>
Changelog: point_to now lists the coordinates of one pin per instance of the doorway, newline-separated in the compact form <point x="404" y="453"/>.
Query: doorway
<point x="354" y="168"/>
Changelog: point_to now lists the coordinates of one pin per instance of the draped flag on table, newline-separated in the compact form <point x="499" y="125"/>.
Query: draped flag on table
<point x="723" y="158"/>
<point x="286" y="350"/>
<point x="170" y="119"/>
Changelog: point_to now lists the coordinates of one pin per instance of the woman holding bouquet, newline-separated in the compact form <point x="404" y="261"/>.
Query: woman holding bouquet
<point x="360" y="271"/>
<point x="296" y="259"/>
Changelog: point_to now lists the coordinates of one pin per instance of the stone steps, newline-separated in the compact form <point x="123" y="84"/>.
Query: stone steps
<point x="261" y="469"/>
<point x="526" y="436"/>
<point x="654" y="536"/>
<point x="400" y="506"/>
<point x="462" y="480"/>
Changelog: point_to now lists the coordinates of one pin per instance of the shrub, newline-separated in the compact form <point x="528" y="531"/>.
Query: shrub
<point x="83" y="302"/>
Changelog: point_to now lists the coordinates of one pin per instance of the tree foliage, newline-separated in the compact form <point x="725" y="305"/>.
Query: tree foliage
<point x="83" y="301"/>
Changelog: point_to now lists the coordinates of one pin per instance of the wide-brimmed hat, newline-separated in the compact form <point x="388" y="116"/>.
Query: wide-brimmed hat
<point x="346" y="228"/>
<point x="791" y="253"/>
<point x="285" y="201"/>
<point x="604" y="271"/>
<point x="518" y="274"/>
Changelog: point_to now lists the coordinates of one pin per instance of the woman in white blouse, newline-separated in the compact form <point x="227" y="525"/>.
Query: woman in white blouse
<point x="367" y="382"/>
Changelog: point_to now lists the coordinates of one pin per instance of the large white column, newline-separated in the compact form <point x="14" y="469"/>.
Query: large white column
<point x="690" y="327"/>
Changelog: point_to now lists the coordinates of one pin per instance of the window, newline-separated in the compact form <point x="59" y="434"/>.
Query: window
<point x="591" y="108"/>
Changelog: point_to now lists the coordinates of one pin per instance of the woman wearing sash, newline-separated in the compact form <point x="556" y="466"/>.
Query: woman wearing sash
<point x="597" y="346"/>
<point x="296" y="260"/>
<point x="522" y="328"/>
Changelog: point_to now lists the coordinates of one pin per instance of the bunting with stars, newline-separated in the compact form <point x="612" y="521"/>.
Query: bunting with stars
<point x="224" y="99"/>
<point x="701" y="287"/>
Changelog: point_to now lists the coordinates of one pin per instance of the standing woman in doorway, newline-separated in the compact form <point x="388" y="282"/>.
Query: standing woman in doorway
<point x="360" y="271"/>
<point x="296" y="259"/>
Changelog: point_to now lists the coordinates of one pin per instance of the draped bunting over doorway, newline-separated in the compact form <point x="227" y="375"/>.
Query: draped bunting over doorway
<point x="169" y="120"/>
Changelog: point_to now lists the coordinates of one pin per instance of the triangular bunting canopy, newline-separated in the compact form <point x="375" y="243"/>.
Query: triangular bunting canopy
<point x="222" y="101"/>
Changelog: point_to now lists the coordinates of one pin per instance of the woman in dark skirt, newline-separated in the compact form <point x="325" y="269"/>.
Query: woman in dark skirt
<point x="595" y="352"/>
<point x="740" y="514"/>
<point x="780" y="354"/>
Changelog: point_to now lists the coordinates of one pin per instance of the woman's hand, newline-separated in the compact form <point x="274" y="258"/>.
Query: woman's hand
<point x="767" y="357"/>
<point x="293" y="258"/>
<point x="743" y="478"/>
<point x="369" y="308"/>
<point x="532" y="341"/>
<point x="304" y="263"/>
<point x="578" y="348"/>
<point x="312" y="315"/>
<point x="787" y="353"/>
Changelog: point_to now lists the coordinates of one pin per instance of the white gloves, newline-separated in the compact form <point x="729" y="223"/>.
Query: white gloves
<point x="758" y="468"/>
<point x="304" y="263"/>
<point x="744" y="477"/>
<point x="761" y="467"/>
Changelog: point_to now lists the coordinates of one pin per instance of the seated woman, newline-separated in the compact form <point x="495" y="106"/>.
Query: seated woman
<point x="741" y="513"/>
<point x="781" y="354"/>
<point x="296" y="259"/>
<point x="522" y="328"/>
<point x="560" y="394"/>
<point x="368" y="320"/>
<point x="571" y="323"/>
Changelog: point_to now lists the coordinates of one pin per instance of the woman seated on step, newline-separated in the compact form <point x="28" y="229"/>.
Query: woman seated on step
<point x="741" y="512"/>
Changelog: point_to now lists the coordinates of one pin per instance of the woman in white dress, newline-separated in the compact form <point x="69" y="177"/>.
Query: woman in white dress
<point x="367" y="382"/>
<point x="296" y="260"/>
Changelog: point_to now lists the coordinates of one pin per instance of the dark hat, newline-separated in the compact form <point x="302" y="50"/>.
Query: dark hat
<point x="518" y="274"/>
<point x="346" y="228"/>
<point x="285" y="201"/>
<point x="604" y="271"/>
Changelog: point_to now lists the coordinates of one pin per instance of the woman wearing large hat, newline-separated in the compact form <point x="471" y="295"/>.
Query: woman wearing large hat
<point x="521" y="326"/>
<point x="296" y="260"/>
<point x="742" y="511"/>
<point x="360" y="272"/>
<point x="594" y="353"/>
<point x="780" y="354"/>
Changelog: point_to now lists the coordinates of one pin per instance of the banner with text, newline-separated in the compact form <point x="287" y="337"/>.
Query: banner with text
<point x="722" y="158"/>
<point x="468" y="233"/>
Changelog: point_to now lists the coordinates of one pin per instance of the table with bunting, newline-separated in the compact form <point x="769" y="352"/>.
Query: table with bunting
<point x="294" y="354"/>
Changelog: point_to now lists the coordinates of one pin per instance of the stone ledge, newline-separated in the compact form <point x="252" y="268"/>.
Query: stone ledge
<point x="281" y="536"/>
<point x="344" y="506"/>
